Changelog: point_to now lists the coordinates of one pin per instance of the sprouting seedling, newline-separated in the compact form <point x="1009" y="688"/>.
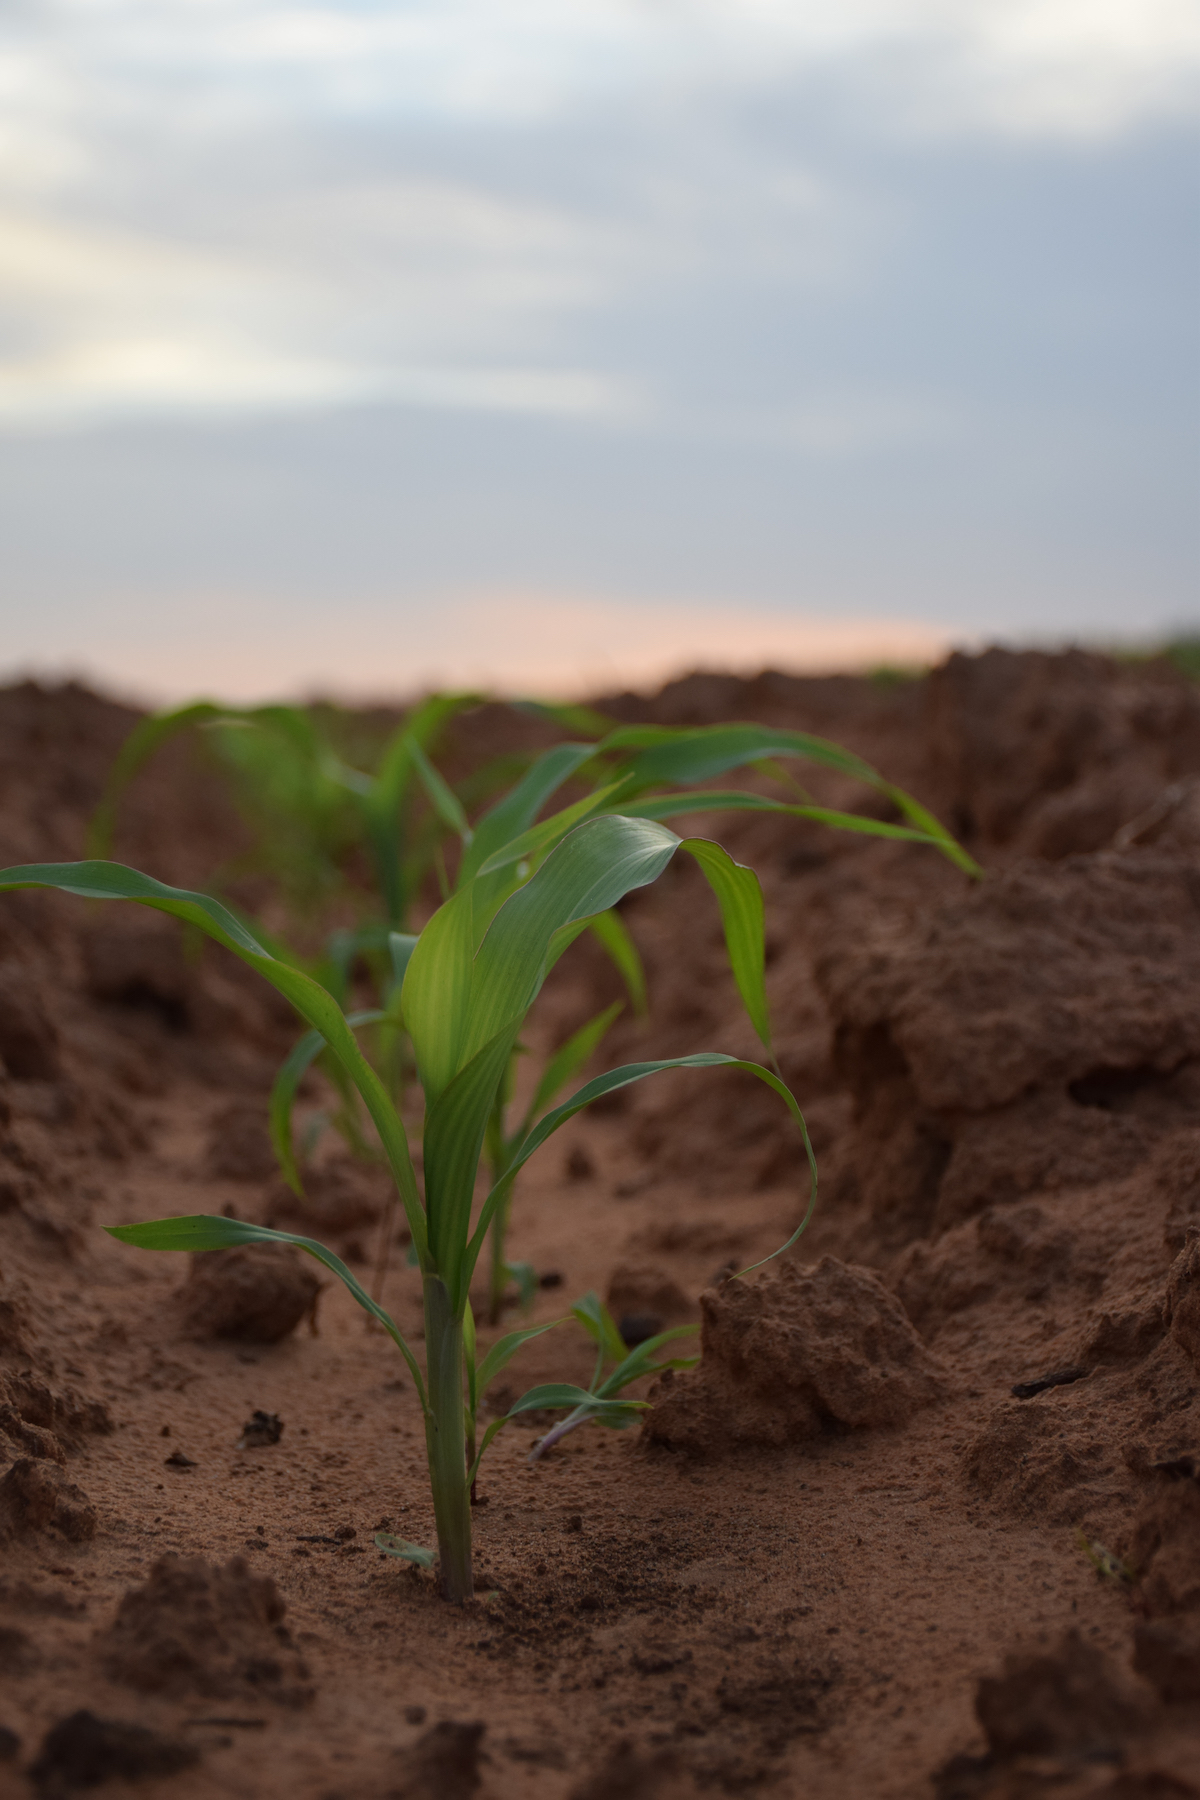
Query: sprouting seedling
<point x="600" y="1400"/>
<point x="475" y="971"/>
<point x="309" y="807"/>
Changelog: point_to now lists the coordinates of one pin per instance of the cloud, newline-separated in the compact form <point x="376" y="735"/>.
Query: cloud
<point x="258" y="204"/>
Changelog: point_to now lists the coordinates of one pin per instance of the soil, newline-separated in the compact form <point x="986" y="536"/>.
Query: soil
<point x="844" y="1556"/>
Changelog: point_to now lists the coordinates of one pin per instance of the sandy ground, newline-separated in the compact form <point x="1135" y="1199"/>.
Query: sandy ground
<point x="842" y="1558"/>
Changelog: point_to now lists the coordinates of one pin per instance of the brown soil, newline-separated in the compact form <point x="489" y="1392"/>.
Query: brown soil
<point x="843" y="1558"/>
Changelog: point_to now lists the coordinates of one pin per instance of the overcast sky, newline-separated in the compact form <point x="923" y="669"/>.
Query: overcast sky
<point x="363" y="344"/>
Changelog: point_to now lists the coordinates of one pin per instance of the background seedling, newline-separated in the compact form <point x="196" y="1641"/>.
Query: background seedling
<point x="600" y="1399"/>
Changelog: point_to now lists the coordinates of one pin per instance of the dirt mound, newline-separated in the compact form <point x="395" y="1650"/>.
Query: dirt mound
<point x="626" y="1775"/>
<point x="443" y="1764"/>
<point x="29" y="1042"/>
<point x="195" y="1629"/>
<point x="1070" y="1702"/>
<point x="791" y="1355"/>
<point x="1181" y="1306"/>
<point x="1076" y="1451"/>
<point x="1054" y="1720"/>
<point x="1054" y="754"/>
<point x="339" y="1196"/>
<point x="239" y="1145"/>
<point x="82" y="1751"/>
<point x="1043" y="1033"/>
<point x="71" y="1416"/>
<point x="255" y="1295"/>
<point x="649" y="1294"/>
<point x="35" y="1495"/>
<point x="1164" y="1546"/>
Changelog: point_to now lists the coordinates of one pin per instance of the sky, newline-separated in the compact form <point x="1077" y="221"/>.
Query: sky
<point x="557" y="343"/>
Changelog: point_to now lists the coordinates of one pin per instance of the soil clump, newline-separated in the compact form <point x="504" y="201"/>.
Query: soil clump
<point x="256" y="1294"/>
<point x="791" y="1355"/>
<point x="195" y="1629"/>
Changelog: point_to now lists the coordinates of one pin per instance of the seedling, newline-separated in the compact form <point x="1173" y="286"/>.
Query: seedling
<point x="596" y="1401"/>
<point x="472" y="976"/>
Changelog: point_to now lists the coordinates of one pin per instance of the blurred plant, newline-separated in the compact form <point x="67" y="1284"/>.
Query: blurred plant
<point x="308" y="808"/>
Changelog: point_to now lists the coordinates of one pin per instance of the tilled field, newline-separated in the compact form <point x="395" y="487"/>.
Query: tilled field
<point x="925" y="1522"/>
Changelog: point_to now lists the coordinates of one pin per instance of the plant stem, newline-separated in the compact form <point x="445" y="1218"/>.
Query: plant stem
<point x="498" y="1282"/>
<point x="445" y="1437"/>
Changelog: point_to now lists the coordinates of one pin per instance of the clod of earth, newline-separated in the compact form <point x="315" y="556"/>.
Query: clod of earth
<point x="648" y="1288"/>
<point x="792" y="1354"/>
<point x="82" y="1751"/>
<point x="255" y="1295"/>
<point x="627" y="1774"/>
<point x="260" y="1430"/>
<point x="1164" y="1548"/>
<point x="1167" y="1653"/>
<point x="29" y="1043"/>
<point x="35" y="1495"/>
<point x="338" y="1196"/>
<point x="1071" y="1708"/>
<point x="443" y="1764"/>
<point x="68" y="1415"/>
<point x="195" y="1629"/>
<point x="239" y="1145"/>
<point x="1182" y="1308"/>
<point x="18" y="1653"/>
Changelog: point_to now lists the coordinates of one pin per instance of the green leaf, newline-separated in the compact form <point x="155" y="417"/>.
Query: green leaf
<point x="383" y="803"/>
<point x="525" y="1278"/>
<point x="283" y="1095"/>
<point x="113" y="881"/>
<point x="583" y="719"/>
<point x="623" y="1077"/>
<point x="503" y="1351"/>
<point x="609" y="928"/>
<point x="740" y="898"/>
<point x="684" y="757"/>
<point x="203" y="1231"/>
<point x="437" y="992"/>
<point x="562" y="1395"/>
<point x="283" y="1098"/>
<point x="674" y="806"/>
<point x="445" y="802"/>
<point x="400" y="1547"/>
<point x="539" y="838"/>
<point x="637" y="1362"/>
<point x="515" y="812"/>
<point x="698" y="753"/>
<point x="600" y="1325"/>
<point x="595" y="865"/>
<point x="454" y="1130"/>
<point x="567" y="1061"/>
<point x="401" y="945"/>
<point x="145" y="738"/>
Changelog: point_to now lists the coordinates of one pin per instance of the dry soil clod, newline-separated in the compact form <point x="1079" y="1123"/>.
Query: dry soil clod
<point x="792" y="1354"/>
